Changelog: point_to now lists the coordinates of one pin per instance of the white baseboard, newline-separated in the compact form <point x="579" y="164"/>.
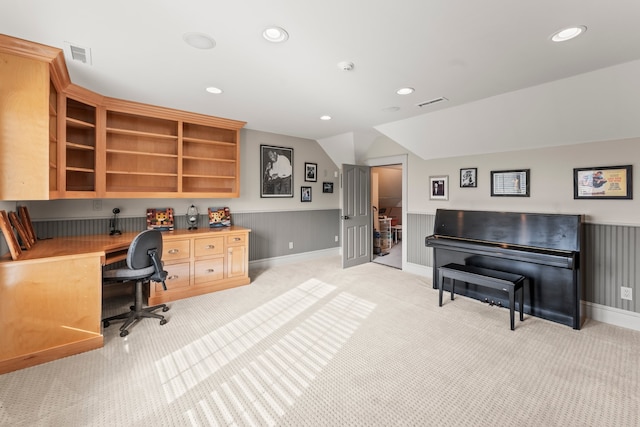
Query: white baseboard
<point x="418" y="269"/>
<point x="611" y="315"/>
<point x="288" y="259"/>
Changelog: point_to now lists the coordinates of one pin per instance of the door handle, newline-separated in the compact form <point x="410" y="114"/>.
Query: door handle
<point x="345" y="217"/>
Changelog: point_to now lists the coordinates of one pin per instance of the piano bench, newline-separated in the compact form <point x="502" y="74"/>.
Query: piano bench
<point x="500" y="280"/>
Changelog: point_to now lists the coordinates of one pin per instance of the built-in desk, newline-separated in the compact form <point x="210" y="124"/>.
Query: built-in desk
<point x="51" y="298"/>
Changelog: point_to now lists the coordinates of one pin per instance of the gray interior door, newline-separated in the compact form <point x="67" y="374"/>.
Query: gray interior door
<point x="356" y="215"/>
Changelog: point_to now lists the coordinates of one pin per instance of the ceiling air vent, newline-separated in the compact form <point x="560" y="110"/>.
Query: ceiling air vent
<point x="78" y="53"/>
<point x="432" y="101"/>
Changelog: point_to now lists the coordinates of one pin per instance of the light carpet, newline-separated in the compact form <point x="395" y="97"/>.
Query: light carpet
<point x="310" y="344"/>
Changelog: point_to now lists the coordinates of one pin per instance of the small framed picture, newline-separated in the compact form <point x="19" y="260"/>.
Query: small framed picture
<point x="305" y="194"/>
<point x="514" y="183"/>
<point x="468" y="177"/>
<point x="439" y="187"/>
<point x="311" y="172"/>
<point x="327" y="187"/>
<point x="603" y="182"/>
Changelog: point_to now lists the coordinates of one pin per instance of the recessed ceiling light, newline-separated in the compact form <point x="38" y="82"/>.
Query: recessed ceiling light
<point x="212" y="89"/>
<point x="568" y="33"/>
<point x="199" y="40"/>
<point x="405" y="91"/>
<point x="325" y="117"/>
<point x="275" y="34"/>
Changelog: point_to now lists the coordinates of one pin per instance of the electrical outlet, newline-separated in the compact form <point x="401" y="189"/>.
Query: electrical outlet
<point x="97" y="205"/>
<point x="336" y="238"/>
<point x="626" y="293"/>
<point x="290" y="245"/>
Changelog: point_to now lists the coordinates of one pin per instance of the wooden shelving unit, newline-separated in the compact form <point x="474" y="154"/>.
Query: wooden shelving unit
<point x="209" y="159"/>
<point x="53" y="139"/>
<point x="83" y="145"/>
<point x="80" y="147"/>
<point x="141" y="154"/>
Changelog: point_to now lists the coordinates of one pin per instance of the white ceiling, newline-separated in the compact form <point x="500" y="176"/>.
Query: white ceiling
<point x="485" y="56"/>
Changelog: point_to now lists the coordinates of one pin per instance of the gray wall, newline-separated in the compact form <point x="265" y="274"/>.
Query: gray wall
<point x="612" y="243"/>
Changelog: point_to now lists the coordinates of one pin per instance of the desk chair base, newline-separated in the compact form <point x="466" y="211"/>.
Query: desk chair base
<point x="137" y="312"/>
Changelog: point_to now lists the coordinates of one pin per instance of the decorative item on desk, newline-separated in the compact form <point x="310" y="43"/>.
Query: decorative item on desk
<point x="219" y="217"/>
<point x="192" y="217"/>
<point x="113" y="224"/>
<point x="160" y="219"/>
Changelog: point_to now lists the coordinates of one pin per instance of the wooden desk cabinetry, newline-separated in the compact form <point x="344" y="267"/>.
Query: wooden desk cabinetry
<point x="202" y="261"/>
<point x="51" y="298"/>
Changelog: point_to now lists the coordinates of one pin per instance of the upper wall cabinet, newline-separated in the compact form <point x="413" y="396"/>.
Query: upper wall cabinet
<point x="24" y="127"/>
<point x="58" y="140"/>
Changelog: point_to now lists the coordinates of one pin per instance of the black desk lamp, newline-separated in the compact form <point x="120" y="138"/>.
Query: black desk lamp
<point x="113" y="224"/>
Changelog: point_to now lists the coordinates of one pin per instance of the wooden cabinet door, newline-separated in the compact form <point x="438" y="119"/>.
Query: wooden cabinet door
<point x="237" y="258"/>
<point x="24" y="128"/>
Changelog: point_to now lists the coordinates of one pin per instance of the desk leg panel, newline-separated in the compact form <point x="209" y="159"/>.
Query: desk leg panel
<point x="49" y="306"/>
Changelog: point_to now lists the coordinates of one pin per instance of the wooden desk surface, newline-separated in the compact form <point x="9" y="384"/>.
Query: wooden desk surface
<point x="76" y="245"/>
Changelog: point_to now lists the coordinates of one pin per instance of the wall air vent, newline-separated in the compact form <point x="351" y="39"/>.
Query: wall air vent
<point x="432" y="101"/>
<point x="78" y="53"/>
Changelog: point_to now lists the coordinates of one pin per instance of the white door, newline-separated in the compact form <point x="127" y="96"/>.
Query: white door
<point x="356" y="215"/>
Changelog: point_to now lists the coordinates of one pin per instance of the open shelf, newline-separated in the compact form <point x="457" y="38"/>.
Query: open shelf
<point x="80" y="147"/>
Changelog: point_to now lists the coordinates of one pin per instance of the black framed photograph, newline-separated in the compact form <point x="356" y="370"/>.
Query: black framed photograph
<point x="276" y="177"/>
<point x="603" y="182"/>
<point x="511" y="183"/>
<point x="305" y="194"/>
<point x="439" y="187"/>
<point x="468" y="177"/>
<point x="327" y="187"/>
<point x="311" y="172"/>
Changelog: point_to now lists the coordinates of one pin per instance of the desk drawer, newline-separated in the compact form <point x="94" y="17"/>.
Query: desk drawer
<point x="237" y="239"/>
<point x="209" y="246"/>
<point x="209" y="270"/>
<point x="175" y="249"/>
<point x="177" y="277"/>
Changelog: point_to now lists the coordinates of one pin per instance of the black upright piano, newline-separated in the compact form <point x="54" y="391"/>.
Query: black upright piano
<point x="545" y="248"/>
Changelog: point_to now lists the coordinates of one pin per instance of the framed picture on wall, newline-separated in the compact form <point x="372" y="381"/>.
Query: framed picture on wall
<point x="305" y="194"/>
<point x="512" y="183"/>
<point x="468" y="177"/>
<point x="311" y="172"/>
<point x="439" y="187"/>
<point x="327" y="187"/>
<point x="603" y="182"/>
<point x="276" y="177"/>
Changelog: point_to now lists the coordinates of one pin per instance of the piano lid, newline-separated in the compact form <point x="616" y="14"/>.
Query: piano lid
<point x="550" y="231"/>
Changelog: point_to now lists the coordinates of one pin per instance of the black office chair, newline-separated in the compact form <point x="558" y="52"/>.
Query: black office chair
<point x="144" y="264"/>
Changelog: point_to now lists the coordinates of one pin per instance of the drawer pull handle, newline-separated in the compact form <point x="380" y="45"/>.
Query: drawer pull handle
<point x="210" y="247"/>
<point x="174" y="251"/>
<point x="237" y="239"/>
<point x="174" y="277"/>
<point x="211" y="270"/>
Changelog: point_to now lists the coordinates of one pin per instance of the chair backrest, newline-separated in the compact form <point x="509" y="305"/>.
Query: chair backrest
<point x="138" y="255"/>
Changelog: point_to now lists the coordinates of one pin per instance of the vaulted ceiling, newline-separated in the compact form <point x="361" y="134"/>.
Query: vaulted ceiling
<point x="507" y="86"/>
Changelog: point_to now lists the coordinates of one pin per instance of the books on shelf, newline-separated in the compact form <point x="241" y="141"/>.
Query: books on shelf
<point x="219" y="217"/>
<point x="160" y="219"/>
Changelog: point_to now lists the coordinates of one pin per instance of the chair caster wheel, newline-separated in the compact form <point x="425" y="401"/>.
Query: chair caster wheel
<point x="124" y="333"/>
<point x="106" y="323"/>
<point x="163" y="321"/>
<point x="165" y="308"/>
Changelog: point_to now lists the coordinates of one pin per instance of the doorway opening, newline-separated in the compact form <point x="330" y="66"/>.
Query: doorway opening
<point x="387" y="214"/>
